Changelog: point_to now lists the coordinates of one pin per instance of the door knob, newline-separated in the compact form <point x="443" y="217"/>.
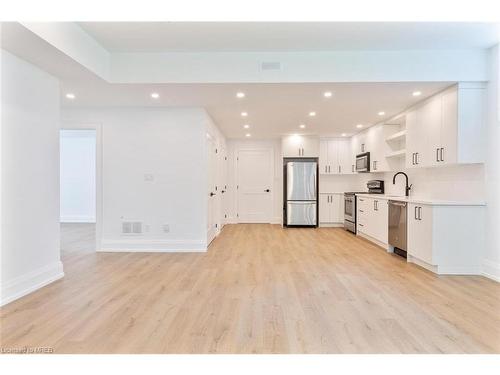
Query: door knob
<point x="212" y="194"/>
<point x="267" y="190"/>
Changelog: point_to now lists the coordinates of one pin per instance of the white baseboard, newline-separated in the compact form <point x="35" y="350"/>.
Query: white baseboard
<point x="467" y="270"/>
<point x="277" y="220"/>
<point x="29" y="282"/>
<point x="331" y="225"/>
<point x="77" y="219"/>
<point x="374" y="240"/>
<point x="153" y="246"/>
<point x="491" y="270"/>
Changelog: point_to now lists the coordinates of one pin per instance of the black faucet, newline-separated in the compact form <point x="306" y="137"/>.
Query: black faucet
<point x="407" y="188"/>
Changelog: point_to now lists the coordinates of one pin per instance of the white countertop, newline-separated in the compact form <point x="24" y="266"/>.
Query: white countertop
<point x="432" y="202"/>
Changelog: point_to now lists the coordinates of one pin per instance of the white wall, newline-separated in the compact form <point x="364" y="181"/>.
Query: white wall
<point x="233" y="147"/>
<point x="30" y="255"/>
<point x="491" y="262"/>
<point x="154" y="171"/>
<point x="78" y="176"/>
<point x="300" y="66"/>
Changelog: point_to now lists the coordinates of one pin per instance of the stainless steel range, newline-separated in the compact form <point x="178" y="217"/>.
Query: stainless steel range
<point x="374" y="187"/>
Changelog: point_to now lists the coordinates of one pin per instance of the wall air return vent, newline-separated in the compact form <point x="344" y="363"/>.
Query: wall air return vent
<point x="131" y="227"/>
<point x="270" y="65"/>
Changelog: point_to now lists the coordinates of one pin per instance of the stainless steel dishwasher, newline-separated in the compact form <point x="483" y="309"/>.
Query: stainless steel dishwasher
<point x="397" y="227"/>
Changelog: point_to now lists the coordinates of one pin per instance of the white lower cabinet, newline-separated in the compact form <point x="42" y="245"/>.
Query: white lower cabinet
<point x="419" y="240"/>
<point x="372" y="218"/>
<point x="446" y="239"/>
<point x="331" y="208"/>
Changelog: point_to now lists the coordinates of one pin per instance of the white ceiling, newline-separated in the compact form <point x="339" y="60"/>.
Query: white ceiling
<point x="289" y="36"/>
<point x="273" y="109"/>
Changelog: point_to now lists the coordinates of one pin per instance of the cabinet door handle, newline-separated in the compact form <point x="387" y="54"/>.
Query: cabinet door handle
<point x="437" y="154"/>
<point x="442" y="153"/>
<point x="329" y="169"/>
<point x="361" y="225"/>
<point x="415" y="213"/>
<point x="353" y="167"/>
<point x="340" y="169"/>
<point x="419" y="213"/>
<point x="416" y="158"/>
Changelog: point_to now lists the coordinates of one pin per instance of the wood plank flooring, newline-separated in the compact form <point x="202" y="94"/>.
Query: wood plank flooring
<point x="259" y="289"/>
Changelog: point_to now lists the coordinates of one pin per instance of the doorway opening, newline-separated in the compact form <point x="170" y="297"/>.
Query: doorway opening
<point x="78" y="190"/>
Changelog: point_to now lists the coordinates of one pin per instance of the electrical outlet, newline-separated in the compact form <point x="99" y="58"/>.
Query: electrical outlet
<point x="166" y="228"/>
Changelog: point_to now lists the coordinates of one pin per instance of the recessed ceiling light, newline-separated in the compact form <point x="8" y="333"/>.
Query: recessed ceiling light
<point x="244" y="114"/>
<point x="343" y="135"/>
<point x="312" y="114"/>
<point x="155" y="95"/>
<point x="381" y="113"/>
<point x="417" y="93"/>
<point x="248" y="135"/>
<point x="359" y="126"/>
<point x="327" y="94"/>
<point x="302" y="126"/>
<point x="70" y="96"/>
<point x="246" y="126"/>
<point x="240" y="94"/>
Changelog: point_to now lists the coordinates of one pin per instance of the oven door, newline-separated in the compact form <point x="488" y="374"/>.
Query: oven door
<point x="350" y="208"/>
<point x="363" y="162"/>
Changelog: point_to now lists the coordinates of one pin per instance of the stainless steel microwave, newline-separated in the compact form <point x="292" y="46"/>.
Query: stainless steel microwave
<point x="363" y="162"/>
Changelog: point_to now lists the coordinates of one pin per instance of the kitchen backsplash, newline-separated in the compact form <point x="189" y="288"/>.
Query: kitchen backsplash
<point x="459" y="182"/>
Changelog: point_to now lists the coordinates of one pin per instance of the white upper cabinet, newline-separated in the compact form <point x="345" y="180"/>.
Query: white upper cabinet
<point x="373" y="141"/>
<point x="448" y="137"/>
<point x="377" y="147"/>
<point x="335" y="156"/>
<point x="413" y="140"/>
<point x="448" y="128"/>
<point x="300" y="146"/>
<point x="358" y="143"/>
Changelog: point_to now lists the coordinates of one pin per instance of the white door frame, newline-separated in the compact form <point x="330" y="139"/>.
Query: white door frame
<point x="212" y="215"/>
<point x="98" y="167"/>
<point x="237" y="176"/>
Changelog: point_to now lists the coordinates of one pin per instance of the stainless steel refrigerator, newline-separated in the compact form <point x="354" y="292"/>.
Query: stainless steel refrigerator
<point x="301" y="193"/>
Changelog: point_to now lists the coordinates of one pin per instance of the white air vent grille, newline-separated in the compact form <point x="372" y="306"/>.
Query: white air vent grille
<point x="270" y="65"/>
<point x="131" y="227"/>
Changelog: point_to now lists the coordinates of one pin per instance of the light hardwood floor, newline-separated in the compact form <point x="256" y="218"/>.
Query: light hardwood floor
<point x="259" y="289"/>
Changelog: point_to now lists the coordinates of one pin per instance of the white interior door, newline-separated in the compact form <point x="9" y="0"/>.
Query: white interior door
<point x="255" y="185"/>
<point x="212" y="191"/>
